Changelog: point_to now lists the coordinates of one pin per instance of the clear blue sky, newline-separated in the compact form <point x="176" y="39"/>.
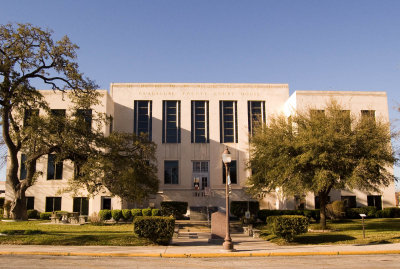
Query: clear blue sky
<point x="311" y="45"/>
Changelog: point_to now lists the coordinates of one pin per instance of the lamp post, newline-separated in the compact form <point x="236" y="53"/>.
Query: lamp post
<point x="226" y="158"/>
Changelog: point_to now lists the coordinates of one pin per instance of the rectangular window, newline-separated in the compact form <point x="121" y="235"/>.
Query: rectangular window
<point x="22" y="171"/>
<point x="53" y="204"/>
<point x="54" y="169"/>
<point x="58" y="115"/>
<point x="228" y="122"/>
<point x="256" y="115"/>
<point x="106" y="202"/>
<point x="200" y="131"/>
<point x="349" y="201"/>
<point x="171" y="172"/>
<point x="232" y="172"/>
<point x="200" y="175"/>
<point x="30" y="202"/>
<point x="300" y="202"/>
<point x="86" y="116"/>
<point x="81" y="205"/>
<point x="28" y="114"/>
<point x="316" y="201"/>
<point x="143" y="118"/>
<point x="367" y="114"/>
<point x="171" y="122"/>
<point x="375" y="200"/>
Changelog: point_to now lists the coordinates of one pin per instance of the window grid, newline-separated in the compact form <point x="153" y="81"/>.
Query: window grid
<point x="228" y="122"/>
<point x="256" y="115"/>
<point x="171" y="122"/>
<point x="200" y="131"/>
<point x="54" y="169"/>
<point x="171" y="172"/>
<point x="143" y="118"/>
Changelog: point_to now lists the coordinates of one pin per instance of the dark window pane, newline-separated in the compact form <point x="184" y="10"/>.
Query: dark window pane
<point x="256" y="115"/>
<point x="171" y="172"/>
<point x="171" y="122"/>
<point x="81" y="205"/>
<point x="106" y="203"/>
<point x="228" y="121"/>
<point x="53" y="204"/>
<point x="30" y="203"/>
<point x="29" y="113"/>
<point x="232" y="172"/>
<point x="54" y="169"/>
<point x="86" y="116"/>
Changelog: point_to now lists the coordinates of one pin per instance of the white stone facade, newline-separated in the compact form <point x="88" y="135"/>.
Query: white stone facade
<point x="199" y="178"/>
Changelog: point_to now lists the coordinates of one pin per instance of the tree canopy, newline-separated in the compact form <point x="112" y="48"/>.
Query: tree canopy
<point x="320" y="150"/>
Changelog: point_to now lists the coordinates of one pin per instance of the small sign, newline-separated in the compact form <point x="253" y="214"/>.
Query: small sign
<point x="247" y="214"/>
<point x="363" y="215"/>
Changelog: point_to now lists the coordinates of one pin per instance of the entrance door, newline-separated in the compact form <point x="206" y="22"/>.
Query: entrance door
<point x="200" y="175"/>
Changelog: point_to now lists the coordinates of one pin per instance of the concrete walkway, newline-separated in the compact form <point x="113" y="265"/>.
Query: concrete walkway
<point x="196" y="245"/>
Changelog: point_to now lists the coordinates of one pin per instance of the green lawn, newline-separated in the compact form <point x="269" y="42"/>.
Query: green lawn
<point x="377" y="231"/>
<point x="58" y="234"/>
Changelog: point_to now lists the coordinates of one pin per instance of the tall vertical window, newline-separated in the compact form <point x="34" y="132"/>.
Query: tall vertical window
<point x="232" y="172"/>
<point x="22" y="171"/>
<point x="228" y="121"/>
<point x="171" y="122"/>
<point x="200" y="133"/>
<point x="171" y="172"/>
<point x="86" y="116"/>
<point x="256" y="114"/>
<point x="58" y="116"/>
<point x="81" y="205"/>
<point x="375" y="200"/>
<point x="30" y="202"/>
<point x="29" y="113"/>
<point x="142" y="118"/>
<point x="106" y="202"/>
<point x="53" y="204"/>
<point x="54" y="169"/>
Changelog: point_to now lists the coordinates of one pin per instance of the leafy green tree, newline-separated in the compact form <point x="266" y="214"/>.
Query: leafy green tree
<point x="317" y="151"/>
<point x="28" y="54"/>
<point x="121" y="162"/>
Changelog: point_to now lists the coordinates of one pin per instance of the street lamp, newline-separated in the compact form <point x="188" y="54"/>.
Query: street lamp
<point x="226" y="158"/>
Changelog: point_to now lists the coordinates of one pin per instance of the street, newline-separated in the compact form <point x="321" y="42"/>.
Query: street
<point x="345" y="261"/>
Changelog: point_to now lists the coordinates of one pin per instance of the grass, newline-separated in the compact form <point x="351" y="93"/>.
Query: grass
<point x="40" y="233"/>
<point x="377" y="231"/>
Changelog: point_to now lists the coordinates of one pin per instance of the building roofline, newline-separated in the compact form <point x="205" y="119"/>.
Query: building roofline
<point x="199" y="85"/>
<point x="336" y="93"/>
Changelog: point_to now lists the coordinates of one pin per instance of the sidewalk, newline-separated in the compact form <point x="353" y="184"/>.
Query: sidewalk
<point x="196" y="245"/>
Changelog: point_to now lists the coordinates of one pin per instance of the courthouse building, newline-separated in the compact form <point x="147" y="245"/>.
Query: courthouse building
<point x="192" y="124"/>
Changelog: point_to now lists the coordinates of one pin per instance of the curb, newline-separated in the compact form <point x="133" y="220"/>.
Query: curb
<point x="199" y="255"/>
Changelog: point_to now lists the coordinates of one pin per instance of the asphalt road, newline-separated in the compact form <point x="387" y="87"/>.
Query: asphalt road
<point x="351" y="261"/>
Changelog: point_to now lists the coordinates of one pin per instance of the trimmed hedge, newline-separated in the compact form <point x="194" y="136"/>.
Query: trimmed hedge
<point x="354" y="213"/>
<point x="136" y="212"/>
<point x="287" y="227"/>
<point x="156" y="212"/>
<point x="126" y="214"/>
<point x="33" y="214"/>
<point x="310" y="214"/>
<point x="239" y="208"/>
<point x="146" y="212"/>
<point x="105" y="214"/>
<point x="116" y="214"/>
<point x="45" y="215"/>
<point x="157" y="229"/>
<point x="174" y="208"/>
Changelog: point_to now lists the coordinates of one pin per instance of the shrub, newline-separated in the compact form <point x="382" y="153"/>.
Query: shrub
<point x="264" y="213"/>
<point x="33" y="214"/>
<point x="157" y="229"/>
<point x="146" y="212"/>
<point x="239" y="208"/>
<point x="45" y="215"/>
<point x="336" y="210"/>
<point x="391" y="212"/>
<point x="379" y="214"/>
<point x="136" y="212"/>
<point x="116" y="214"/>
<point x="126" y="214"/>
<point x="286" y="226"/>
<point x="174" y="208"/>
<point x="105" y="214"/>
<point x="95" y="219"/>
<point x="354" y="213"/>
<point x="156" y="212"/>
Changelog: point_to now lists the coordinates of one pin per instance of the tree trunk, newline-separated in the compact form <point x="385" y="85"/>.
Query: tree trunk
<point x="18" y="205"/>
<point x="322" y="208"/>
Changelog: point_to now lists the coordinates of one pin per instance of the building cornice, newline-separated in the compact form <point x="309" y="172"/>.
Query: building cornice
<point x="198" y="85"/>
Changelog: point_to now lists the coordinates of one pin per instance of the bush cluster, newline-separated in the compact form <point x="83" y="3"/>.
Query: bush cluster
<point x="45" y="215"/>
<point x="336" y="210"/>
<point x="157" y="229"/>
<point x="174" y="208"/>
<point x="146" y="212"/>
<point x="126" y="214"/>
<point x="287" y="227"/>
<point x="136" y="212"/>
<point x="239" y="208"/>
<point x="33" y="214"/>
<point x="310" y="214"/>
<point x="372" y="212"/>
<point x="116" y="214"/>
<point x="105" y="214"/>
<point x="156" y="212"/>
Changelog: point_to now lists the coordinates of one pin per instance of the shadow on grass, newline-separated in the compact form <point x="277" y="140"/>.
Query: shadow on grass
<point x="322" y="238"/>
